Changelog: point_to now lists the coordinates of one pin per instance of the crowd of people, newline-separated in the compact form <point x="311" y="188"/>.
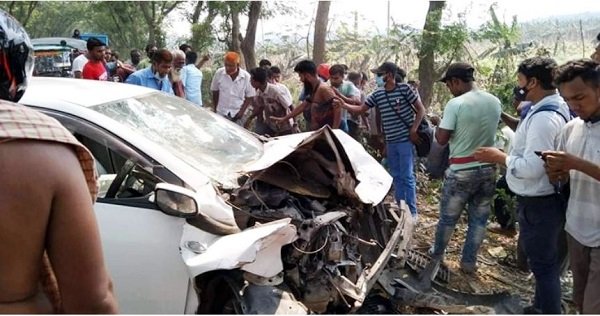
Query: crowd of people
<point x="552" y="167"/>
<point x="175" y="72"/>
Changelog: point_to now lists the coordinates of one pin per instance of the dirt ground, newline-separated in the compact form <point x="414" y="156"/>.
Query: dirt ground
<point x="497" y="270"/>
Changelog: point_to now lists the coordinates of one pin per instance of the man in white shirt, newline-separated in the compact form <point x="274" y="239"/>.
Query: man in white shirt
<point x="541" y="207"/>
<point x="270" y="101"/>
<point x="232" y="92"/>
<point x="78" y="64"/>
<point x="578" y="162"/>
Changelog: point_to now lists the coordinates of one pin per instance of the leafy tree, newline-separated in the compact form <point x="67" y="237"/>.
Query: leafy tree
<point x="52" y="18"/>
<point x="363" y="51"/>
<point x="506" y="53"/>
<point x="154" y="13"/>
<point x="20" y="10"/>
<point x="122" y="22"/>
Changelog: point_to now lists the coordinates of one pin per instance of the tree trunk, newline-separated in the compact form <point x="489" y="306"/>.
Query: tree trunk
<point x="235" y="29"/>
<point x="429" y="43"/>
<point x="249" y="40"/>
<point x="320" y="32"/>
<point x="22" y="10"/>
<point x="197" y="10"/>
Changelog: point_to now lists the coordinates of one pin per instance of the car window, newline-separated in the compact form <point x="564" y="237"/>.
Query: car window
<point x="213" y="145"/>
<point x="136" y="173"/>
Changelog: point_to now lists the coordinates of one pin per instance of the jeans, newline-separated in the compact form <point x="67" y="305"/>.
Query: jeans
<point x="475" y="187"/>
<point x="344" y="125"/>
<point x="400" y="160"/>
<point x="540" y="221"/>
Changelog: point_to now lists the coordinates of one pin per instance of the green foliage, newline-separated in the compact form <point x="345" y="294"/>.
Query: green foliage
<point x="453" y="38"/>
<point x="502" y="54"/>
<point x="123" y="23"/>
<point x="54" y="18"/>
<point x="510" y="204"/>
<point x="362" y="51"/>
<point x="202" y="36"/>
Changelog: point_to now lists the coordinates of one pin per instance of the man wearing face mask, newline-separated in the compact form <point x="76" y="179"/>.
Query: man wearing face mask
<point x="400" y="123"/>
<point x="232" y="92"/>
<point x="540" y="206"/>
<point x="156" y="76"/>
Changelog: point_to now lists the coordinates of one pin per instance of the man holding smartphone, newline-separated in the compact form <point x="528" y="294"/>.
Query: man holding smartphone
<point x="578" y="162"/>
<point x="540" y="207"/>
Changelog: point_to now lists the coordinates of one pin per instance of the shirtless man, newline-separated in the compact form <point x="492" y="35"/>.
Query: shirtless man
<point x="319" y="100"/>
<point x="47" y="187"/>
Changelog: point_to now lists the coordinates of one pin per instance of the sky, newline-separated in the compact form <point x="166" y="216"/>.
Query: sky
<point x="373" y="13"/>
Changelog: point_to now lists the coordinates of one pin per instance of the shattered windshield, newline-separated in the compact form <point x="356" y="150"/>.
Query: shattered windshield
<point x="211" y="144"/>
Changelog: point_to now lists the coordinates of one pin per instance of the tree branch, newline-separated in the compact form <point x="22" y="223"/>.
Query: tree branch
<point x="168" y="10"/>
<point x="197" y="11"/>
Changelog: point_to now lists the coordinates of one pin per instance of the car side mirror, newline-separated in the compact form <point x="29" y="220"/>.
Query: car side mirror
<point x="175" y="200"/>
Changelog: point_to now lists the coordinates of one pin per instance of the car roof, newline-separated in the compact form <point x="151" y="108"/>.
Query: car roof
<point x="51" y="47"/>
<point x="80" y="91"/>
<point x="72" y="42"/>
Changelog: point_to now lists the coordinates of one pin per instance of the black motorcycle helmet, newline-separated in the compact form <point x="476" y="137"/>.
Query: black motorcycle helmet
<point x="16" y="58"/>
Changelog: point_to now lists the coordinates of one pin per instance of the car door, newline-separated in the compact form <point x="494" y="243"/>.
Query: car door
<point x="140" y="243"/>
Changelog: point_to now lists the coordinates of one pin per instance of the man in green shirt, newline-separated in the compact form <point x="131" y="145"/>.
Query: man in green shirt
<point x="470" y="121"/>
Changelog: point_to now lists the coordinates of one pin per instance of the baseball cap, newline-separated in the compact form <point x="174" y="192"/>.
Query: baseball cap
<point x="385" y="68"/>
<point x="459" y="70"/>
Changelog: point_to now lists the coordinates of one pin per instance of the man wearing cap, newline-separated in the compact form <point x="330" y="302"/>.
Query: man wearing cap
<point x="469" y="121"/>
<point x="232" y="92"/>
<point x="540" y="206"/>
<point x="400" y="123"/>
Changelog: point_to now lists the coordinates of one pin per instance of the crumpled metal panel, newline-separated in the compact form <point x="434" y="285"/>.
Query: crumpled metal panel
<point x="256" y="250"/>
<point x="373" y="181"/>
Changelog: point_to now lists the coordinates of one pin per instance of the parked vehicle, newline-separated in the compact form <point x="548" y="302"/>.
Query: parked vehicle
<point x="54" y="55"/>
<point x="198" y="215"/>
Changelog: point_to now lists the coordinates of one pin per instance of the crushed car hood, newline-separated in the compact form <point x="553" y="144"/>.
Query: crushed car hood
<point x="373" y="181"/>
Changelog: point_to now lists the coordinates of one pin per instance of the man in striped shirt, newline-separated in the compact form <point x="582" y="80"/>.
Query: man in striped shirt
<point x="400" y="123"/>
<point x="578" y="161"/>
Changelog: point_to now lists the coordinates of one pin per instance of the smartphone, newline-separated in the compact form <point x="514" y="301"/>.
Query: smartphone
<point x="539" y="153"/>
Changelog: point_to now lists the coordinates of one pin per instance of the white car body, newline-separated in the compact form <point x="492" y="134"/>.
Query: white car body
<point x="151" y="256"/>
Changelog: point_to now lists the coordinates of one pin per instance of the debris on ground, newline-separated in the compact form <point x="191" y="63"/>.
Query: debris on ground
<point x="497" y="260"/>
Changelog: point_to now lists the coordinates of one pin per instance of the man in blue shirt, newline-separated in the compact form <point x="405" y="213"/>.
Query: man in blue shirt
<point x="192" y="79"/>
<point x="156" y="76"/>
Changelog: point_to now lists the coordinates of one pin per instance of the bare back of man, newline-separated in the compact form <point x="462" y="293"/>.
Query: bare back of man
<point x="323" y="112"/>
<point x="45" y="205"/>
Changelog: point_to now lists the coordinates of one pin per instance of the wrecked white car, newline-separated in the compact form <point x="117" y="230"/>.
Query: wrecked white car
<point x="197" y="215"/>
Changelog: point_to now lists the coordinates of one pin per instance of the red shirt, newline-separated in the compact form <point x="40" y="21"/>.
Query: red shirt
<point x="94" y="70"/>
